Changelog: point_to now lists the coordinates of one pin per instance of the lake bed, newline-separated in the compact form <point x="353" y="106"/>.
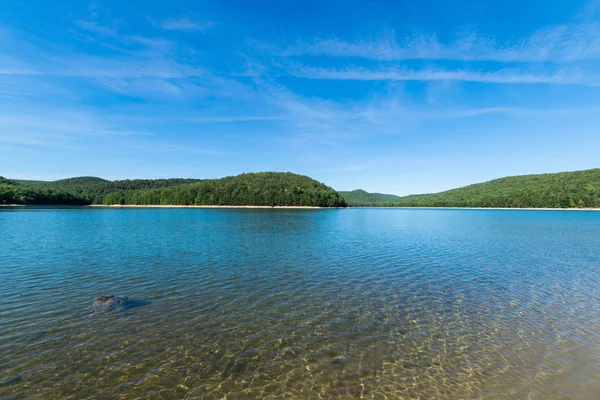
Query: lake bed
<point x="260" y="303"/>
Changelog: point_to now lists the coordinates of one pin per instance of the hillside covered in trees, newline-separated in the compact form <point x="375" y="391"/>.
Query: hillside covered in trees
<point x="12" y="192"/>
<point x="361" y="198"/>
<point x="260" y="189"/>
<point x="256" y="189"/>
<point x="579" y="189"/>
<point x="95" y="189"/>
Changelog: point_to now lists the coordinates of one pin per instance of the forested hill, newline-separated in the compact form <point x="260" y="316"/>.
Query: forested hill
<point x="13" y="192"/>
<point x="361" y="198"/>
<point x="261" y="189"/>
<point x="254" y="189"/>
<point x="561" y="190"/>
<point x="95" y="189"/>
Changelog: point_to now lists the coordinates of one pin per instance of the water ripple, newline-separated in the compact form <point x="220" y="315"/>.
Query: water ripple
<point x="380" y="304"/>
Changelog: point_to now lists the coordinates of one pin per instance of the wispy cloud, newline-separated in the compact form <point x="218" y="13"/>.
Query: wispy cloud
<point x="233" y="119"/>
<point x="94" y="27"/>
<point x="117" y="84"/>
<point x="186" y="24"/>
<point x="108" y="33"/>
<point x="348" y="168"/>
<point x="84" y="66"/>
<point x="66" y="121"/>
<point x="506" y="75"/>
<point x="60" y="128"/>
<point x="125" y="60"/>
<point x="41" y="141"/>
<point x="509" y="111"/>
<point x="590" y="11"/>
<point x="174" y="148"/>
<point x="558" y="44"/>
<point x="331" y="124"/>
<point x="157" y="89"/>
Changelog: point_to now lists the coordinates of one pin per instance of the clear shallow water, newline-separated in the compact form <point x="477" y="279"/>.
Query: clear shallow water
<point x="429" y="304"/>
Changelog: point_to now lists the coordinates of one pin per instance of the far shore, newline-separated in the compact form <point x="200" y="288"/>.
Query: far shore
<point x="195" y="206"/>
<point x="309" y="207"/>
<point x="486" y="208"/>
<point x="297" y="207"/>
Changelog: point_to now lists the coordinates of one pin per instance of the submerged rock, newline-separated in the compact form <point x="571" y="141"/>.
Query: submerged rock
<point x="11" y="380"/>
<point x="109" y="301"/>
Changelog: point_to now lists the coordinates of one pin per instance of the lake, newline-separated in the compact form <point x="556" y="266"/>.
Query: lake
<point x="301" y="304"/>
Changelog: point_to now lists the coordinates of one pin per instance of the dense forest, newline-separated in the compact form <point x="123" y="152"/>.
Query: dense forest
<point x="579" y="189"/>
<point x="257" y="189"/>
<point x="13" y="192"/>
<point x="361" y="198"/>
<point x="260" y="189"/>
<point x="95" y="189"/>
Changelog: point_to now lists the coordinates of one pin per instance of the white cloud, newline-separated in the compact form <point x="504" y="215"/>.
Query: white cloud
<point x="62" y="123"/>
<point x="186" y="24"/>
<point x="510" y="111"/>
<point x="348" y="168"/>
<point x="232" y="119"/>
<point x="174" y="148"/>
<point x="126" y="64"/>
<point x="154" y="88"/>
<point x="93" y="26"/>
<point x="558" y="44"/>
<point x="328" y="123"/>
<point x="161" y="72"/>
<point x="70" y="128"/>
<point x="502" y="76"/>
<point x="111" y="37"/>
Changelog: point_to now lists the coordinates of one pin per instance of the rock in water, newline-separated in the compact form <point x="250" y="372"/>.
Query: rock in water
<point x="108" y="301"/>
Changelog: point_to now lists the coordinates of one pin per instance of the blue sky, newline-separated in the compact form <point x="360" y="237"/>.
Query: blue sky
<point x="392" y="96"/>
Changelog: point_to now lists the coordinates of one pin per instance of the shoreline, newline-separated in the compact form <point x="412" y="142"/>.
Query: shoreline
<point x="486" y="208"/>
<point x="290" y="207"/>
<point x="198" y="206"/>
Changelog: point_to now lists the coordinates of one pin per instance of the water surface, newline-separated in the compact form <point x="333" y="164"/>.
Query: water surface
<point x="303" y="304"/>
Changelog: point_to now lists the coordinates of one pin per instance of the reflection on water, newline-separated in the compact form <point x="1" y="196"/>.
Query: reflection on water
<point x="378" y="304"/>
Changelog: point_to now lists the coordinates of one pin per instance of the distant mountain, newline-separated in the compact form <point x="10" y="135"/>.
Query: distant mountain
<point x="261" y="189"/>
<point x="558" y="190"/>
<point x="361" y="198"/>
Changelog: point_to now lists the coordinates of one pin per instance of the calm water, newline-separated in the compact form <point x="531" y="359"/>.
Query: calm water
<point x="429" y="304"/>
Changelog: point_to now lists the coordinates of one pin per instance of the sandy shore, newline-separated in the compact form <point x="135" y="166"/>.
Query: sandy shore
<point x="486" y="208"/>
<point x="311" y="208"/>
<point x="177" y="206"/>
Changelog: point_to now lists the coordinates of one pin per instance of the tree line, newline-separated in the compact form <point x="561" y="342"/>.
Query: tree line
<point x="95" y="189"/>
<point x="579" y="189"/>
<point x="261" y="189"/>
<point x="12" y="192"/>
<point x="362" y="198"/>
